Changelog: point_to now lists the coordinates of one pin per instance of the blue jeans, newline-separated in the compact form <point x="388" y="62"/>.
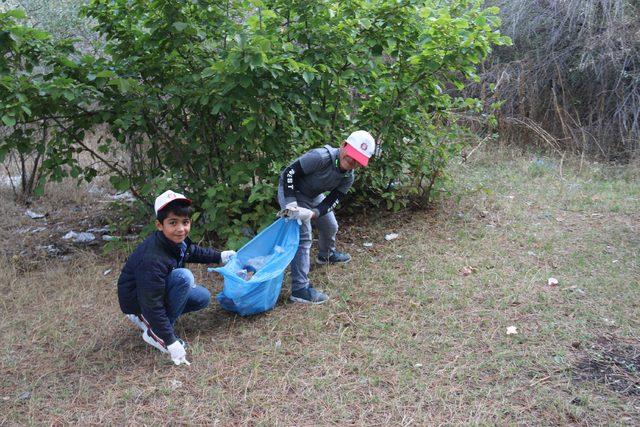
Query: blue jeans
<point x="182" y="295"/>
<point x="327" y="226"/>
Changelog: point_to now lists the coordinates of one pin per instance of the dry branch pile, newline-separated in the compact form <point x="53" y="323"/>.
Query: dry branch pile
<point x="572" y="76"/>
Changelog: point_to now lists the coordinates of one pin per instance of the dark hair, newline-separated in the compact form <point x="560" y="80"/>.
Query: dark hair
<point x="178" y="207"/>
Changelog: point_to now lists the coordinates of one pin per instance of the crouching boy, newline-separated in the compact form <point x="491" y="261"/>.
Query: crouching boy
<point x="155" y="288"/>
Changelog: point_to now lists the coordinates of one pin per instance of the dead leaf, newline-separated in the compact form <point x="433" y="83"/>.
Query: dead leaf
<point x="467" y="270"/>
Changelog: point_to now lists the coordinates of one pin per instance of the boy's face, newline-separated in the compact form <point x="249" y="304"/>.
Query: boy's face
<point x="175" y="228"/>
<point x="347" y="163"/>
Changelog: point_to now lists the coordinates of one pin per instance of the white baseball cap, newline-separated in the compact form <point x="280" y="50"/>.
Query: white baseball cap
<point x="167" y="197"/>
<point x="360" y="146"/>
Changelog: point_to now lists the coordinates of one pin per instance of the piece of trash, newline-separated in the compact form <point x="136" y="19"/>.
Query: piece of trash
<point x="247" y="272"/>
<point x="107" y="271"/>
<point x="24" y="395"/>
<point x="467" y="270"/>
<point x="367" y="244"/>
<point x="608" y="322"/>
<point x="552" y="281"/>
<point x="531" y="253"/>
<point x="418" y="365"/>
<point x="34" y="215"/>
<point x="258" y="262"/>
<point x="278" y="344"/>
<point x="98" y="230"/>
<point x="126" y="196"/>
<point x="391" y="236"/>
<point x="615" y="260"/>
<point x="512" y="330"/>
<point x="49" y="248"/>
<point x="399" y="256"/>
<point x="108" y="238"/>
<point x="79" y="237"/>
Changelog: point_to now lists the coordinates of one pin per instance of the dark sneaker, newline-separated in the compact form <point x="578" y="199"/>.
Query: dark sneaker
<point x="308" y="296"/>
<point x="334" y="257"/>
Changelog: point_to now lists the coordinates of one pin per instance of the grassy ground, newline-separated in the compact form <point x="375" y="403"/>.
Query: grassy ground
<point x="415" y="333"/>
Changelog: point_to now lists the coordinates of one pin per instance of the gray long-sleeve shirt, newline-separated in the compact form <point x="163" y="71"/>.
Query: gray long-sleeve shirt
<point x="314" y="173"/>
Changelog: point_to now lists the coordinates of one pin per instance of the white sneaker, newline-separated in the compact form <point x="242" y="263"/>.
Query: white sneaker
<point x="150" y="338"/>
<point x="138" y="320"/>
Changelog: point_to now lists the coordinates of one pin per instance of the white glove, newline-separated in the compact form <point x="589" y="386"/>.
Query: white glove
<point x="225" y="256"/>
<point x="178" y="353"/>
<point x="303" y="214"/>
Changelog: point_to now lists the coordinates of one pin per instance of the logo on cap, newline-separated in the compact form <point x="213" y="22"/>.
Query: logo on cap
<point x="364" y="146"/>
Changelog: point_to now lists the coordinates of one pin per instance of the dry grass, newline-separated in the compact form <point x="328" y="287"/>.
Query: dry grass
<point x="408" y="338"/>
<point x="571" y="76"/>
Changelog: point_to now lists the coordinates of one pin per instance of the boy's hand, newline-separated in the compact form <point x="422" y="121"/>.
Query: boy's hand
<point x="225" y="256"/>
<point x="303" y="214"/>
<point x="178" y="353"/>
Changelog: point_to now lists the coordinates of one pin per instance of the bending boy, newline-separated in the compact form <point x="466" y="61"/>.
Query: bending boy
<point x="301" y="191"/>
<point x="154" y="287"/>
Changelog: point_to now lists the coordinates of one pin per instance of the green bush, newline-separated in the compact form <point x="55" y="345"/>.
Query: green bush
<point x="217" y="97"/>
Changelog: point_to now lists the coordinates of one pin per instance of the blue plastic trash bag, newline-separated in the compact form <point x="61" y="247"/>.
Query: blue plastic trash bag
<point x="253" y="278"/>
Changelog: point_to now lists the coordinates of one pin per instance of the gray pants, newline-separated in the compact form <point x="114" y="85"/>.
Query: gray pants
<point x="327" y="229"/>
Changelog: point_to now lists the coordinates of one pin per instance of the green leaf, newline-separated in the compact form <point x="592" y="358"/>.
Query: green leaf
<point x="8" y="120"/>
<point x="308" y="77"/>
<point x="207" y="72"/>
<point x="120" y="183"/>
<point x="106" y="73"/>
<point x="365" y="23"/>
<point x="17" y="13"/>
<point x="180" y="26"/>
<point x="276" y="108"/>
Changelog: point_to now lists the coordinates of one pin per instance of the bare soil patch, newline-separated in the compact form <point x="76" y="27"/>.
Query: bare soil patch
<point x="612" y="361"/>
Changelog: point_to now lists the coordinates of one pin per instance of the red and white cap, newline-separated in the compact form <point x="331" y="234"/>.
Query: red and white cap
<point x="360" y="146"/>
<point x="167" y="197"/>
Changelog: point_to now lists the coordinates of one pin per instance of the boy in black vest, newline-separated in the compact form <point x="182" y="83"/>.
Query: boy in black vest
<point x="301" y="191"/>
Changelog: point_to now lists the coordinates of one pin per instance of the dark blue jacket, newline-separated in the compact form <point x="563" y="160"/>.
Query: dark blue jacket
<point x="141" y="286"/>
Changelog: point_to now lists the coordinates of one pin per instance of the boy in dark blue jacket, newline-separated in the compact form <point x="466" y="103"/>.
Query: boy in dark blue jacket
<point x="154" y="288"/>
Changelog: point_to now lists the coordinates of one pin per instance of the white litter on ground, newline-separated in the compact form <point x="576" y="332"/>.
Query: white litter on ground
<point x="391" y="236"/>
<point x="34" y="215"/>
<point x="126" y="196"/>
<point x="79" y="237"/>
